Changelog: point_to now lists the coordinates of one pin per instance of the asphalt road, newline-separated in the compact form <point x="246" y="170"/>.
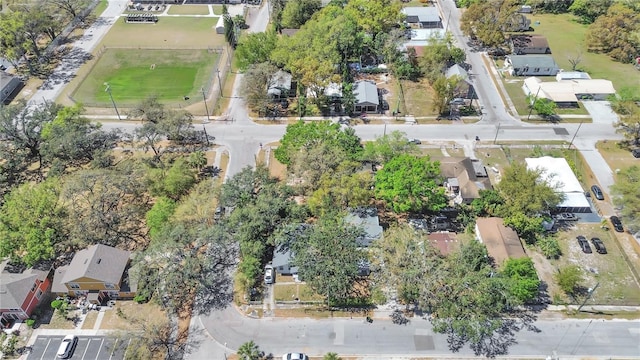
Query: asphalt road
<point x="382" y="338"/>
<point x="494" y="108"/>
<point x="87" y="348"/>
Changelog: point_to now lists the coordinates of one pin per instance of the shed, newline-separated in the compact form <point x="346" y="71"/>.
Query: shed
<point x="367" y="99"/>
<point x="220" y="25"/>
<point x="572" y="75"/>
<point x="558" y="174"/>
<point x="502" y="242"/>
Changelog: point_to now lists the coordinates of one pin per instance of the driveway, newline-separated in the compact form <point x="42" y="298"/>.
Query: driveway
<point x="88" y="347"/>
<point x="601" y="112"/>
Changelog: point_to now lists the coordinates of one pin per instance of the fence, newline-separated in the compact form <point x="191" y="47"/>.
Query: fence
<point x="209" y="86"/>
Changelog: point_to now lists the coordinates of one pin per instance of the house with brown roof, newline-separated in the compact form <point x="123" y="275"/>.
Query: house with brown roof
<point x="464" y="178"/>
<point x="446" y="242"/>
<point x="502" y="242"/>
<point x="98" y="272"/>
<point x="529" y="44"/>
<point x="20" y="293"/>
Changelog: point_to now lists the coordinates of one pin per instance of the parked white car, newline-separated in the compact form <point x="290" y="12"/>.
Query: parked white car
<point x="269" y="275"/>
<point x="67" y="346"/>
<point x="295" y="356"/>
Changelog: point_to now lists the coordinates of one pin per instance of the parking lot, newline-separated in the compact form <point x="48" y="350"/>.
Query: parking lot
<point x="87" y="348"/>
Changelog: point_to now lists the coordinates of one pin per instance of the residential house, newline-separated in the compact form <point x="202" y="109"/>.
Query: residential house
<point x="566" y="93"/>
<point x="9" y="86"/>
<point x="422" y="17"/>
<point x="502" y="242"/>
<point x="446" y="242"/>
<point x="367" y="219"/>
<point x="98" y="272"/>
<point x="282" y="261"/>
<point x="558" y="174"/>
<point x="20" y="293"/>
<point x="529" y="44"/>
<point x="367" y="97"/>
<point x="464" y="89"/>
<point x="531" y="65"/>
<point x="464" y="178"/>
<point x="281" y="85"/>
<point x="418" y="39"/>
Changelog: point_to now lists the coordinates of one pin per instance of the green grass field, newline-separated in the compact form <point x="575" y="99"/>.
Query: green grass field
<point x="567" y="37"/>
<point x="168" y="32"/>
<point x="188" y="10"/>
<point x="134" y="74"/>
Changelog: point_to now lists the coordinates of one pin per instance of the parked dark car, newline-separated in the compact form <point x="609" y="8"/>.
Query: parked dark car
<point x="599" y="245"/>
<point x="415" y="141"/>
<point x="617" y="224"/>
<point x="635" y="153"/>
<point x="597" y="192"/>
<point x="584" y="244"/>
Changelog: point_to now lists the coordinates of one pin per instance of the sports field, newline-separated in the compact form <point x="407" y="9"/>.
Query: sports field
<point x="134" y="74"/>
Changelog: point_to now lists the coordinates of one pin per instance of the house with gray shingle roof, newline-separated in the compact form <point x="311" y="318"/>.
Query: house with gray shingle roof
<point x="9" y="86"/>
<point x="20" y="293"/>
<point x="531" y="65"/>
<point x="367" y="99"/>
<point x="425" y="17"/>
<point x="98" y="272"/>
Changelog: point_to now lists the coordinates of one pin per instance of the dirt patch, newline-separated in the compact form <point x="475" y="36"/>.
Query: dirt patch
<point x="116" y="318"/>
<point x="616" y="156"/>
<point x="90" y="320"/>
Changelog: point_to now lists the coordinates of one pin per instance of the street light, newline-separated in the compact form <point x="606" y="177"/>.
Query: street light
<point x="108" y="89"/>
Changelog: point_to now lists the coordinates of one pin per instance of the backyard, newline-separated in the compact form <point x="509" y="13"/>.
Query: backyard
<point x="133" y="74"/>
<point x="567" y="39"/>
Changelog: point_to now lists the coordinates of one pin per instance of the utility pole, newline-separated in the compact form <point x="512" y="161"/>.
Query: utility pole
<point x="219" y="82"/>
<point x="108" y="89"/>
<point x="589" y="296"/>
<point x="534" y="102"/>
<point x="576" y="134"/>
<point x="206" y="107"/>
<point x="497" y="130"/>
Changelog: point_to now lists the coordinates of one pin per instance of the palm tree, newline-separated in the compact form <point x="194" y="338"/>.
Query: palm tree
<point x="331" y="356"/>
<point x="198" y="160"/>
<point x="249" y="351"/>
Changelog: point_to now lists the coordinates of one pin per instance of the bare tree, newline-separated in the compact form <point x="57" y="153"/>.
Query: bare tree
<point x="71" y="7"/>
<point x="575" y="59"/>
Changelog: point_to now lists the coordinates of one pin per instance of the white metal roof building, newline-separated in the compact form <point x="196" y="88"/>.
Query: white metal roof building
<point x="569" y="91"/>
<point x="557" y="173"/>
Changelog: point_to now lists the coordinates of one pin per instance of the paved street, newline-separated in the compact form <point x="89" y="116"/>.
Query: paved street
<point x="87" y="348"/>
<point x="356" y="336"/>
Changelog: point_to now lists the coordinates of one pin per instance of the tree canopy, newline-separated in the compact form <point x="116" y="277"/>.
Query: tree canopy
<point x="328" y="257"/>
<point x="255" y="48"/>
<point x="616" y="33"/>
<point x="308" y="135"/>
<point x="296" y="13"/>
<point x="525" y="191"/>
<point x="386" y="147"/>
<point x="409" y="183"/>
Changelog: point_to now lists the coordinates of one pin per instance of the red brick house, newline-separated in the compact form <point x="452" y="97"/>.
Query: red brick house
<point x="20" y="293"/>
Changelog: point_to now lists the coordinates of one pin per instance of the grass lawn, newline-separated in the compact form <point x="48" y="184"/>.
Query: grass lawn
<point x="130" y="309"/>
<point x="100" y="8"/>
<point x="616" y="157"/>
<point x="188" y="10"/>
<point x="168" y="32"/>
<point x="567" y="37"/>
<point x="418" y="98"/>
<point x="132" y="76"/>
<point x="611" y="271"/>
<point x="289" y="292"/>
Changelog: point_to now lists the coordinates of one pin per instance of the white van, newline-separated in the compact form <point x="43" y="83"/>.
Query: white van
<point x="68" y="345"/>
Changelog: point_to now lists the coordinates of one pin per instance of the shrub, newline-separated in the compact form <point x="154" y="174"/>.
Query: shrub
<point x="30" y="322"/>
<point x="57" y="304"/>
<point x="549" y="247"/>
<point x="140" y="299"/>
<point x="569" y="278"/>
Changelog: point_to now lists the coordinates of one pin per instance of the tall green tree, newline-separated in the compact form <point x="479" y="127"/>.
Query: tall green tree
<point x="297" y="13"/>
<point x="158" y="216"/>
<point x="32" y="222"/>
<point x="526" y="191"/>
<point x="489" y="20"/>
<point x="249" y="351"/>
<point x="629" y="124"/>
<point x="255" y="48"/>
<point x="344" y="188"/>
<point x="308" y="135"/>
<point x="589" y="10"/>
<point x="255" y="85"/>
<point x="409" y="183"/>
<point x="627" y="191"/>
<point x="328" y="256"/>
<point x="616" y="33"/>
<point x="522" y="279"/>
<point x="569" y="279"/>
<point x="444" y="91"/>
<point x="386" y="147"/>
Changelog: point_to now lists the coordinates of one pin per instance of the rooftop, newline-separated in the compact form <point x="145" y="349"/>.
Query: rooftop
<point x="14" y="287"/>
<point x="502" y="242"/>
<point x="533" y="61"/>
<point x="99" y="262"/>
<point x="529" y="41"/>
<point x="365" y="92"/>
<point x="421" y="14"/>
